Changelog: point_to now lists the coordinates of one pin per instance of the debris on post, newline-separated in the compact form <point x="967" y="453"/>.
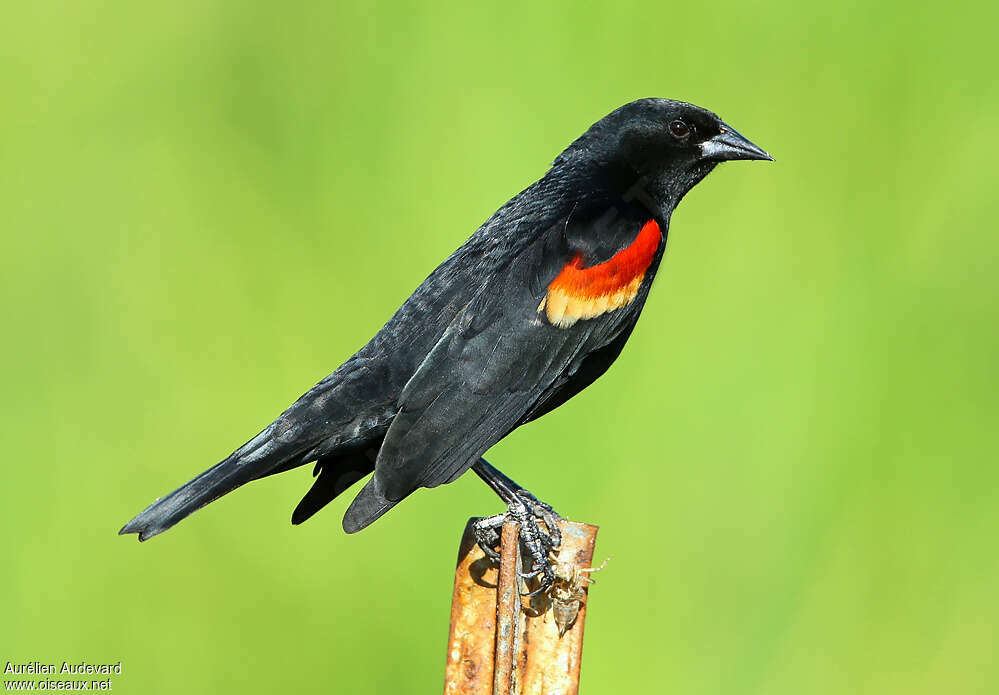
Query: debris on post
<point x="568" y="593"/>
<point x="503" y="643"/>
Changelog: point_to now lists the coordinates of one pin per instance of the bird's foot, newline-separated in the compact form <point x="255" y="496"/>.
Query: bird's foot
<point x="487" y="535"/>
<point x="526" y="511"/>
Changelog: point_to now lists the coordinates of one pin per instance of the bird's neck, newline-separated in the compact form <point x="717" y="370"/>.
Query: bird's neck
<point x="657" y="194"/>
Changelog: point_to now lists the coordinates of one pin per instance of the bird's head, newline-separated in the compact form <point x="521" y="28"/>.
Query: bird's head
<point x="671" y="145"/>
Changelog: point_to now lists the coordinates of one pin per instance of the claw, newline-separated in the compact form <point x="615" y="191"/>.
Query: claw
<point x="551" y="523"/>
<point x="538" y="545"/>
<point x="527" y="511"/>
<point x="546" y="581"/>
<point x="486" y="536"/>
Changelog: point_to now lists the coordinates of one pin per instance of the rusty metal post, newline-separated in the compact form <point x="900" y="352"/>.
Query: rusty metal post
<point x="471" y="645"/>
<point x="549" y="662"/>
<point x="498" y="646"/>
<point x="507" y="610"/>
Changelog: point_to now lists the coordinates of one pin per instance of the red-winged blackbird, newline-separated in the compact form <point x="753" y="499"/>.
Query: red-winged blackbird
<point x="529" y="311"/>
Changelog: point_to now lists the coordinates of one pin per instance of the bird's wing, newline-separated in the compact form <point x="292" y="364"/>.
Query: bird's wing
<point x="534" y="320"/>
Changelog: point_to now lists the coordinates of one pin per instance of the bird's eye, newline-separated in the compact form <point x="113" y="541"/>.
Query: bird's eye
<point x="679" y="129"/>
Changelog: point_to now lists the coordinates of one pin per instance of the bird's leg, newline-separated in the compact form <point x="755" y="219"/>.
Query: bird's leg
<point x="525" y="509"/>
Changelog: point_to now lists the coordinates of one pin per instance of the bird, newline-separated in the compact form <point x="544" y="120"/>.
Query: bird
<point x="530" y="310"/>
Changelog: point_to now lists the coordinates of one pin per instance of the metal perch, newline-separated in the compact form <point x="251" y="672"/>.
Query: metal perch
<point x="503" y="643"/>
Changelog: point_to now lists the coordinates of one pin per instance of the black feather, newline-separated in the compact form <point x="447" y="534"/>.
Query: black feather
<point x="467" y="358"/>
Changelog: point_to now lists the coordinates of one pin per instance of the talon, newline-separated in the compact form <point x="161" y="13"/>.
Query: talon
<point x="529" y="513"/>
<point x="547" y="540"/>
<point x="537" y="545"/>
<point x="486" y="536"/>
<point x="547" y="581"/>
<point x="555" y="534"/>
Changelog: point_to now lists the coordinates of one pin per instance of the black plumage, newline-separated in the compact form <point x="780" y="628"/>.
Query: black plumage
<point x="471" y="355"/>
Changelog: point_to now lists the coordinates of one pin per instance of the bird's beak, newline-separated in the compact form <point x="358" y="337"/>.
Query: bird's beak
<point x="728" y="145"/>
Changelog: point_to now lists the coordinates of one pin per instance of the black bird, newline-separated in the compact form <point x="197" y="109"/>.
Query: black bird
<point x="528" y="312"/>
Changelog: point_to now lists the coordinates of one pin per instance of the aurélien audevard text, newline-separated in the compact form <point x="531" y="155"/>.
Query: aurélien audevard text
<point x="81" y="668"/>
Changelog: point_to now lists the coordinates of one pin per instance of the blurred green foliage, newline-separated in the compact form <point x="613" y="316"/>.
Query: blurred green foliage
<point x="206" y="206"/>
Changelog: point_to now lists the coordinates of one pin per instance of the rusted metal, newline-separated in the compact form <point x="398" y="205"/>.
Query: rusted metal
<point x="507" y="610"/>
<point x="472" y="642"/>
<point x="551" y="661"/>
<point x="504" y="644"/>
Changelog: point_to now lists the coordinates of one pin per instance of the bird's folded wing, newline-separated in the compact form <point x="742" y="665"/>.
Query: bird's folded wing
<point x="531" y="323"/>
<point x="487" y="370"/>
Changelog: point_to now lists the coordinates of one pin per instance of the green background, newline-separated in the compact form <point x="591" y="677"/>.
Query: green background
<point x="206" y="206"/>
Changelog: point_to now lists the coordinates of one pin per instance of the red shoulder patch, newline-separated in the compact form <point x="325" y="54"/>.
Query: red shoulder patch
<point x="584" y="293"/>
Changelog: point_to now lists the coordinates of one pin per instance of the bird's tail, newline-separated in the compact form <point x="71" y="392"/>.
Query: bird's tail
<point x="258" y="457"/>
